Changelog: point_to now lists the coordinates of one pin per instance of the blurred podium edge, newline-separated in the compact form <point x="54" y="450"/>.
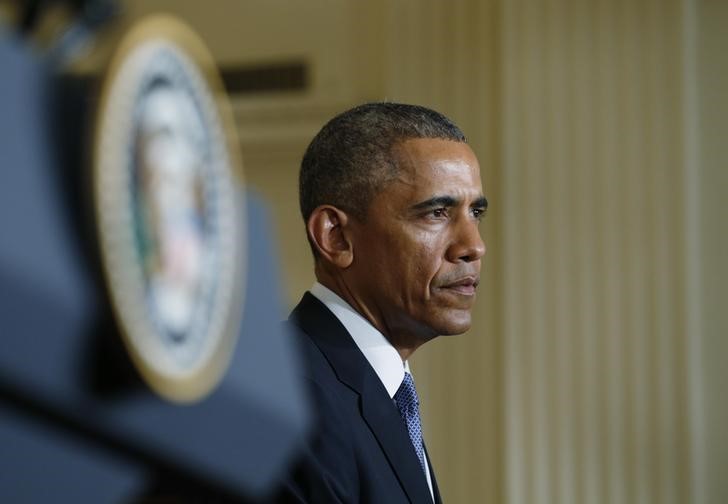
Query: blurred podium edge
<point x="73" y="437"/>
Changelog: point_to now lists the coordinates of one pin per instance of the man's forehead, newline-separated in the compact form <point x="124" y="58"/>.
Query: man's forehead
<point x="435" y="150"/>
<point x="435" y="165"/>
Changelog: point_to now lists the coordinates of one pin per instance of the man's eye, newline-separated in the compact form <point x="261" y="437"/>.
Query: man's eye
<point x="478" y="213"/>
<point x="439" y="212"/>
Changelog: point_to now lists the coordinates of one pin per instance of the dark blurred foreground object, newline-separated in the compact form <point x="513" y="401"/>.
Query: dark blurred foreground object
<point x="76" y="422"/>
<point x="85" y="19"/>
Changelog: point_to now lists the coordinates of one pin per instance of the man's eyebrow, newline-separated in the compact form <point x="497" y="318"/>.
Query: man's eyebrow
<point x="480" y="203"/>
<point x="448" y="201"/>
<point x="437" y="201"/>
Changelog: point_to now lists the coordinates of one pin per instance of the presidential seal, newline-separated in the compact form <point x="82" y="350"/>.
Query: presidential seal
<point x="166" y="187"/>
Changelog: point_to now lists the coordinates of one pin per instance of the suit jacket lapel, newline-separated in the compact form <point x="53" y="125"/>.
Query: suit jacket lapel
<point x="377" y="408"/>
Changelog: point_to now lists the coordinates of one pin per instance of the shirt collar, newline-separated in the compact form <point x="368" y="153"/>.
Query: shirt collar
<point x="380" y="353"/>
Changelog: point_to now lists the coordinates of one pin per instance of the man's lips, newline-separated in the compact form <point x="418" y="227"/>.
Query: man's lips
<point x="465" y="285"/>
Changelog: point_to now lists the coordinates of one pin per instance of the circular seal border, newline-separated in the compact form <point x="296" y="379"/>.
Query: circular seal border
<point x="194" y="384"/>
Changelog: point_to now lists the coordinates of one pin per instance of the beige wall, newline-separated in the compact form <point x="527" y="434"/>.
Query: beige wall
<point x="594" y="287"/>
<point x="708" y="181"/>
<point x="594" y="371"/>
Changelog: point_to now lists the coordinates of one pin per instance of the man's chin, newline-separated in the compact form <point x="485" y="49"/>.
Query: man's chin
<point x="454" y="325"/>
<point x="455" y="332"/>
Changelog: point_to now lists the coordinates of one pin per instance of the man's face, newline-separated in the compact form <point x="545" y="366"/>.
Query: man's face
<point x="416" y="262"/>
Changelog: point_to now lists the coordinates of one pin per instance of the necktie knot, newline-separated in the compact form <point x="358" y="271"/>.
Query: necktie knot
<point x="409" y="409"/>
<point x="406" y="395"/>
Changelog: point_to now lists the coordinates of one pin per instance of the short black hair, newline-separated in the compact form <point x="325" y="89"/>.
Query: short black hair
<point x="351" y="158"/>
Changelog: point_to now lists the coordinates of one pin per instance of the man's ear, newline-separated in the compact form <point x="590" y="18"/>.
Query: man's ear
<point x="328" y="231"/>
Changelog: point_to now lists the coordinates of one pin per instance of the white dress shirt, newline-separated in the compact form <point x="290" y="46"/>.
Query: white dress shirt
<point x="380" y="353"/>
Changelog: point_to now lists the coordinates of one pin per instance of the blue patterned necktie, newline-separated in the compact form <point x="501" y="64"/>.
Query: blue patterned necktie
<point x="409" y="409"/>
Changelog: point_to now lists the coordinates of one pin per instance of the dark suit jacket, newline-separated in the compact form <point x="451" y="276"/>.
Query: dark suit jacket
<point x="360" y="450"/>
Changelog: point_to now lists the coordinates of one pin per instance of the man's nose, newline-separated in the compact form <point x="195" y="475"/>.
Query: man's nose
<point x="467" y="245"/>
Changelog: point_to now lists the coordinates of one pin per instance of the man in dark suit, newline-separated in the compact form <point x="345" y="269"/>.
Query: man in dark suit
<point x="391" y="198"/>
